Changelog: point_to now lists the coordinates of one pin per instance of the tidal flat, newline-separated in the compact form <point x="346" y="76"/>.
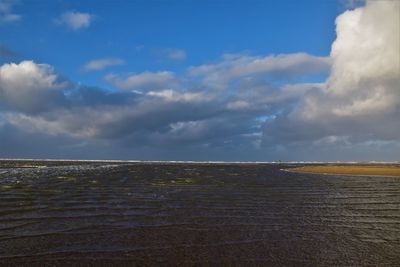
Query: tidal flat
<point x="184" y="214"/>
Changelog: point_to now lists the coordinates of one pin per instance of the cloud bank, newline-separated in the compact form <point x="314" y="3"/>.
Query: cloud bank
<point x="239" y="107"/>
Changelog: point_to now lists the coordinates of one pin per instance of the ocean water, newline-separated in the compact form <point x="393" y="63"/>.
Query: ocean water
<point x="144" y="214"/>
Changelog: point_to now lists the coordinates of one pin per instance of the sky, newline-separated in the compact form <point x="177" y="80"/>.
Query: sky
<point x="313" y="80"/>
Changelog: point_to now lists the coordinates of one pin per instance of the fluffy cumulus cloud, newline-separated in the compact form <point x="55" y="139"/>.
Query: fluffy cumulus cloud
<point x="102" y="63"/>
<point x="240" y="107"/>
<point x="360" y="103"/>
<point x="30" y="88"/>
<point x="75" y="20"/>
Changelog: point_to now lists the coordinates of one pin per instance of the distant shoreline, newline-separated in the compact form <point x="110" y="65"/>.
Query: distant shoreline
<point x="211" y="161"/>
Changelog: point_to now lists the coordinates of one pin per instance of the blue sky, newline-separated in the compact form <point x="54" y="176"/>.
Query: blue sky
<point x="200" y="80"/>
<point x="135" y="30"/>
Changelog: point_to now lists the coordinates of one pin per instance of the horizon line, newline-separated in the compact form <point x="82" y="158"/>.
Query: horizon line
<point x="196" y="161"/>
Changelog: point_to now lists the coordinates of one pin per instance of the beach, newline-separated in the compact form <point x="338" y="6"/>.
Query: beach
<point x="151" y="214"/>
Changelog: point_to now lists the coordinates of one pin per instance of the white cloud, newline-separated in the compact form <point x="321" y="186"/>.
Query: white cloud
<point x="177" y="54"/>
<point x="365" y="74"/>
<point x="234" y="66"/>
<point x="6" y="6"/>
<point x="367" y="46"/>
<point x="30" y="87"/>
<point x="144" y="81"/>
<point x="174" y="54"/>
<point x="361" y="98"/>
<point x="100" y="64"/>
<point x="238" y="105"/>
<point x="6" y="12"/>
<point x="8" y="18"/>
<point x="75" y="20"/>
<point x="176" y="96"/>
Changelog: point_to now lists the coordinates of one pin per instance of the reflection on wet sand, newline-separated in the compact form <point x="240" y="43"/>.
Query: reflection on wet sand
<point x="188" y="214"/>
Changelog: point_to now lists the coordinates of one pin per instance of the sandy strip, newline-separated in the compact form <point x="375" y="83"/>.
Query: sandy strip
<point x="365" y="170"/>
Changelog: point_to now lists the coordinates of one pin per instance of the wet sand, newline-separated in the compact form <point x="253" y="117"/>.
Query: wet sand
<point x="104" y="214"/>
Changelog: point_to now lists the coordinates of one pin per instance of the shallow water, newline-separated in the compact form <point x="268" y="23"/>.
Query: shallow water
<point x="196" y="214"/>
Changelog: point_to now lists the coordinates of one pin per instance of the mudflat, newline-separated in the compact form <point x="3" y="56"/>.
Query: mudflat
<point x="364" y="169"/>
<point x="152" y="214"/>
